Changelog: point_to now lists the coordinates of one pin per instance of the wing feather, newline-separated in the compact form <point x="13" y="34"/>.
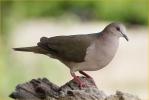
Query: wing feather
<point x="69" y="48"/>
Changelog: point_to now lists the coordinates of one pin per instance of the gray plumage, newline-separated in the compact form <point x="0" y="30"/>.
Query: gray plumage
<point x="82" y="52"/>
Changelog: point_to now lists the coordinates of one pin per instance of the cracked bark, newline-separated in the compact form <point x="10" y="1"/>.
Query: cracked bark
<point x="43" y="89"/>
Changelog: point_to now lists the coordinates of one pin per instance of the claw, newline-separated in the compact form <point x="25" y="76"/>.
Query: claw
<point x="88" y="76"/>
<point x="79" y="82"/>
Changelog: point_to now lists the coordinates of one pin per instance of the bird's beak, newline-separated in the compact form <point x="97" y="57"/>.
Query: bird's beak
<point x="125" y="36"/>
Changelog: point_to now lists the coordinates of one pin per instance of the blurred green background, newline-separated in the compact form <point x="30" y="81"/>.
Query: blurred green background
<point x="60" y="15"/>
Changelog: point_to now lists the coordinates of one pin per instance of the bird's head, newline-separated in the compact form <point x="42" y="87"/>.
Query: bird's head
<point x="117" y="29"/>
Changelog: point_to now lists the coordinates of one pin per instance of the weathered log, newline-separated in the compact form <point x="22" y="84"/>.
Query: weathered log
<point x="43" y="89"/>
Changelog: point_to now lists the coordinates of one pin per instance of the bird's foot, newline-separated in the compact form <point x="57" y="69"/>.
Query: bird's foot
<point x="87" y="76"/>
<point x="80" y="82"/>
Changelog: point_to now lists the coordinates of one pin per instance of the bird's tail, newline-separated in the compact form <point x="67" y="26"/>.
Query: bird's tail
<point x="34" y="49"/>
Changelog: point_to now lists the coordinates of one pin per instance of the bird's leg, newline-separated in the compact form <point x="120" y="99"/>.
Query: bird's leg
<point x="77" y="80"/>
<point x="85" y="74"/>
<point x="88" y="76"/>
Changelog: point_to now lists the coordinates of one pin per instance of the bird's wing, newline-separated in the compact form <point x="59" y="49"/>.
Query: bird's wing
<point x="69" y="48"/>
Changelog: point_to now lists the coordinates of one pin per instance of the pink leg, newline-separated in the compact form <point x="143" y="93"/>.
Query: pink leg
<point x="85" y="74"/>
<point x="78" y="80"/>
<point x="88" y="76"/>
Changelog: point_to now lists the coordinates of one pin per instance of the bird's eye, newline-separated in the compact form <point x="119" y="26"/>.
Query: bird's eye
<point x="117" y="28"/>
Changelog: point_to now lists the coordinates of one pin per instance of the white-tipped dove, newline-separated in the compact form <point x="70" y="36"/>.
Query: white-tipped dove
<point x="89" y="52"/>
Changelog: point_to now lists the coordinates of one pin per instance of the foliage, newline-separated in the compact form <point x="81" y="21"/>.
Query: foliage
<point x="130" y="11"/>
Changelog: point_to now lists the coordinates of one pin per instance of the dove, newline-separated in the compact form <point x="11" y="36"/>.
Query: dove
<point x="84" y="52"/>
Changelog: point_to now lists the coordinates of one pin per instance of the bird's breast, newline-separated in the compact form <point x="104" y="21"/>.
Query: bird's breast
<point x="98" y="55"/>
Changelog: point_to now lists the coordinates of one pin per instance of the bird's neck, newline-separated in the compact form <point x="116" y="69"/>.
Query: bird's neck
<point x="109" y="40"/>
<point x="108" y="37"/>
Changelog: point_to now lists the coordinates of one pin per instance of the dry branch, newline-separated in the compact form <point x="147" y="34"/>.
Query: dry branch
<point x="43" y="89"/>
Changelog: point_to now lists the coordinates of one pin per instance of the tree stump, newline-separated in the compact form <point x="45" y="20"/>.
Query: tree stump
<point x="43" y="89"/>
